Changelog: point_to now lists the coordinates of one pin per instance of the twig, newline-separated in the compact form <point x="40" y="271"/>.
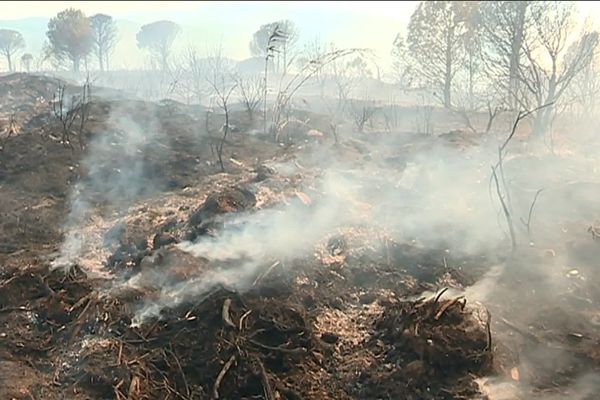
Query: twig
<point x="225" y="313"/>
<point x="298" y="350"/>
<point x="522" y="115"/>
<point x="261" y="276"/>
<point x="134" y="387"/>
<point x="17" y="308"/>
<point x="440" y="294"/>
<point x="505" y="210"/>
<point x="117" y="390"/>
<point x="79" y="320"/>
<point x="488" y="327"/>
<point x="221" y="375"/>
<point x="265" y="380"/>
<point x="187" y="388"/>
<point x="119" y="357"/>
<point x="528" y="223"/>
<point x="446" y="306"/>
<point x="528" y="335"/>
<point x="9" y="280"/>
<point x="242" y="318"/>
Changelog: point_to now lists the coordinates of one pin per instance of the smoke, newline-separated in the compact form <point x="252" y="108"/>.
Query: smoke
<point x="439" y="200"/>
<point x="116" y="172"/>
<point x="435" y="195"/>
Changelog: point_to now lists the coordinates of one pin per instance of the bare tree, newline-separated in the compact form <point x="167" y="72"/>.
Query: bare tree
<point x="223" y="94"/>
<point x="312" y="51"/>
<point x="222" y="89"/>
<point x="362" y="112"/>
<point x="12" y="128"/>
<point x="582" y="95"/>
<point x="10" y="42"/>
<point x="402" y="64"/>
<point x="287" y="92"/>
<point x="346" y="76"/>
<point x="276" y="37"/>
<point x="105" y="38"/>
<point x="551" y="63"/>
<point x="196" y="70"/>
<point x="67" y="111"/>
<point x="424" y="116"/>
<point x="251" y="91"/>
<point x="26" y="60"/>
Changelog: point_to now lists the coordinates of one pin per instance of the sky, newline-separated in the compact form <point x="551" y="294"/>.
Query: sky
<point x="367" y="24"/>
<point x="371" y="24"/>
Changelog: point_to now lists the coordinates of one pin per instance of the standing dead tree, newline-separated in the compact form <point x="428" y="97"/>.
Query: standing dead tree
<point x="222" y="94"/>
<point x="504" y="192"/>
<point x="196" y="70"/>
<point x="297" y="81"/>
<point x="276" y="40"/>
<point x="67" y="112"/>
<point x="12" y="128"/>
<point x="251" y="92"/>
<point x="554" y="55"/>
<point x="362" y="112"/>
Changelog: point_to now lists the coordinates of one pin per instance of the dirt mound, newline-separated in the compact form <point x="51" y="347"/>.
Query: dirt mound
<point x="430" y="348"/>
<point x="204" y="218"/>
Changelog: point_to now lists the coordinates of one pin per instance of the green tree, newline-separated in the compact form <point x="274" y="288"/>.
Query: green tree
<point x="435" y="43"/>
<point x="10" y="42"/>
<point x="70" y="36"/>
<point x="158" y="37"/>
<point x="26" y="60"/>
<point x="105" y="38"/>
<point x="505" y="28"/>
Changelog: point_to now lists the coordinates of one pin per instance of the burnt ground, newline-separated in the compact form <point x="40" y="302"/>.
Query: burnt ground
<point x="345" y="321"/>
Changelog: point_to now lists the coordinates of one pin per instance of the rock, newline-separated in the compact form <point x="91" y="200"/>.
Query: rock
<point x="230" y="200"/>
<point x="329" y="337"/>
<point x="162" y="239"/>
<point x="314" y="133"/>
<point x="415" y="369"/>
<point x="263" y="172"/>
<point x="203" y="220"/>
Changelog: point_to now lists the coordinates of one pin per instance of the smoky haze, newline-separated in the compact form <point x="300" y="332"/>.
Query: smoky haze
<point x="466" y="130"/>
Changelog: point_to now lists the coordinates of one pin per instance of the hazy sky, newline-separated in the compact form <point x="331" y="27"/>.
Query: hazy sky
<point x="372" y="24"/>
<point x="348" y="24"/>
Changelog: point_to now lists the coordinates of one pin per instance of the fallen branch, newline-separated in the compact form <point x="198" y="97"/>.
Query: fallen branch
<point x="187" y="388"/>
<point x="261" y="276"/>
<point x="446" y="306"/>
<point x="117" y="391"/>
<point x="488" y="327"/>
<point x="265" y="380"/>
<point x="242" y="318"/>
<point x="299" y="350"/>
<point x="225" y="313"/>
<point x="440" y="295"/>
<point x="79" y="321"/>
<point x="134" y="388"/>
<point x="528" y="335"/>
<point x="221" y="375"/>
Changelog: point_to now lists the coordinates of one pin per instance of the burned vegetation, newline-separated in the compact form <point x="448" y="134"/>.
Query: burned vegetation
<point x="305" y="230"/>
